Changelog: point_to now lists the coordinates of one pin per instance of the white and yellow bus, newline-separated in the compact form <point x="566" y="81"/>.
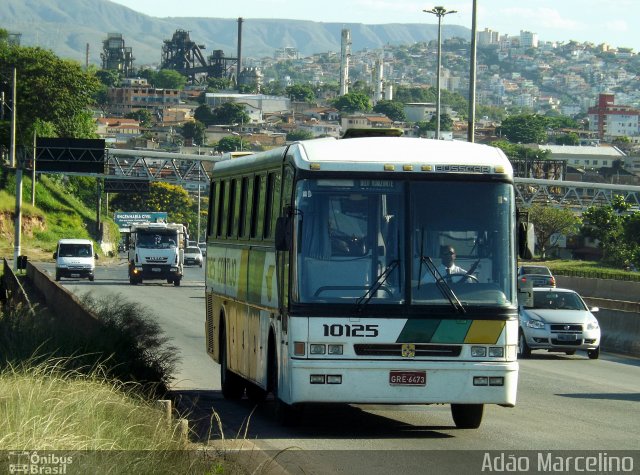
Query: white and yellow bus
<point x="324" y="281"/>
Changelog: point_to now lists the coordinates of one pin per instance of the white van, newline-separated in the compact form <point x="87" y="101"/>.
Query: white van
<point x="75" y="258"/>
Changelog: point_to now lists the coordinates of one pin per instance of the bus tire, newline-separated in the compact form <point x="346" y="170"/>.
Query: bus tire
<point x="467" y="416"/>
<point x="176" y="282"/>
<point x="285" y="414"/>
<point x="232" y="384"/>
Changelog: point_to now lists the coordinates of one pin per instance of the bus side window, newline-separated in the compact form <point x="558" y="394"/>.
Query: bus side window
<point x="268" y="207"/>
<point x="257" y="214"/>
<point x="211" y="213"/>
<point x="221" y="199"/>
<point x="232" y="209"/>
<point x="244" y="207"/>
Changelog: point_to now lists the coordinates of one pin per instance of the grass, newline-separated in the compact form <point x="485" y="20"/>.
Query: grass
<point x="100" y="426"/>
<point x="57" y="214"/>
<point x="588" y="269"/>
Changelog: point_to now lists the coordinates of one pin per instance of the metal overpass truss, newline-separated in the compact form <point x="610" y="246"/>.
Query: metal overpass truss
<point x="187" y="170"/>
<point x="192" y="170"/>
<point x="572" y="194"/>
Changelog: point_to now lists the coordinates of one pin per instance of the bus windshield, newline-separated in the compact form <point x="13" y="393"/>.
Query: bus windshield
<point x="356" y="241"/>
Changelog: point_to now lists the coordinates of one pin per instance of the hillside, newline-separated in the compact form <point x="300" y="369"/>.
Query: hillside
<point x="67" y="26"/>
<point x="57" y="214"/>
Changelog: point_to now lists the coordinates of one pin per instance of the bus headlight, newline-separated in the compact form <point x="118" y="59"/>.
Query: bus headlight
<point x="317" y="349"/>
<point x="478" y="351"/>
<point x="335" y="349"/>
<point x="496" y="351"/>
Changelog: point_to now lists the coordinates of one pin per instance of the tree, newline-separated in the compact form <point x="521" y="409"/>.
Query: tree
<point x="300" y="93"/>
<point x="51" y="90"/>
<point x="203" y="114"/>
<point x="392" y="109"/>
<point x="195" y="131"/>
<point x="170" y="79"/>
<point x="295" y="135"/>
<point x="230" y="113"/>
<point x="218" y="84"/>
<point x="568" y="139"/>
<point x="549" y="222"/>
<point x="108" y="77"/>
<point x="161" y="197"/>
<point x="353" y="102"/>
<point x="524" y="128"/>
<point x="607" y="225"/>
<point x="141" y="115"/>
<point x="231" y="144"/>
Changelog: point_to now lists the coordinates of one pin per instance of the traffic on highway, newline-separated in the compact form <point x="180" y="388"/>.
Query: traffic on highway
<point x="566" y="404"/>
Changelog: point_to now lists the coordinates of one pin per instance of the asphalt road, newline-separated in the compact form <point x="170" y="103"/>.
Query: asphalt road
<point x="565" y="403"/>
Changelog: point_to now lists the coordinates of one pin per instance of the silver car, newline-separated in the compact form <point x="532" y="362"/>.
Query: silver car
<point x="193" y="256"/>
<point x="557" y="320"/>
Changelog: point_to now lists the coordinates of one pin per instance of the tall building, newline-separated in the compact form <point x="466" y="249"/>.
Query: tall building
<point x="488" y="37"/>
<point x="528" y="39"/>
<point x="610" y="120"/>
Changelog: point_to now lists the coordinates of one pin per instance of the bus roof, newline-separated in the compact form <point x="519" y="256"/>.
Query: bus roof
<point x="382" y="154"/>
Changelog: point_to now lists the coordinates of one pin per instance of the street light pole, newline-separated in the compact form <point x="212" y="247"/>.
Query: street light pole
<point x="439" y="12"/>
<point x="471" y="123"/>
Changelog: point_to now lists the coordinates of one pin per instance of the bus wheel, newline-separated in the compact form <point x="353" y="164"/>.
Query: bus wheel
<point x="176" y="282"/>
<point x="467" y="416"/>
<point x="285" y="413"/>
<point x="232" y="384"/>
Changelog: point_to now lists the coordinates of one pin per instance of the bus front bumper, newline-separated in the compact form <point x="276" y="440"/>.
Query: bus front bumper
<point x="402" y="382"/>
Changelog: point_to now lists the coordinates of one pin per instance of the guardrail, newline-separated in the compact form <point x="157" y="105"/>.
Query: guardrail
<point x="619" y="315"/>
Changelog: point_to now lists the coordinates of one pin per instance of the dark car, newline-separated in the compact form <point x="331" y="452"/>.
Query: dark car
<point x="536" y="276"/>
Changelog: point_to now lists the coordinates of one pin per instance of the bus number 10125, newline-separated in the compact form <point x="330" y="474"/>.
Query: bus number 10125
<point x="356" y="330"/>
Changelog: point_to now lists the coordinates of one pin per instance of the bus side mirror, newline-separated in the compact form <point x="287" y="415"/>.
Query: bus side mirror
<point x="55" y="255"/>
<point x="526" y="240"/>
<point x="283" y="234"/>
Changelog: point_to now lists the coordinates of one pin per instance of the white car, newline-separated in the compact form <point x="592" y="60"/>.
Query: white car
<point x="558" y="320"/>
<point x="193" y="256"/>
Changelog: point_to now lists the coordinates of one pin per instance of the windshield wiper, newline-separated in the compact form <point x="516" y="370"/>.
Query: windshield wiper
<point x="382" y="278"/>
<point x="442" y="285"/>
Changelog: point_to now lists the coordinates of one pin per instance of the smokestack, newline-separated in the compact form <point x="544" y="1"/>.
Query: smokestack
<point x="239" y="68"/>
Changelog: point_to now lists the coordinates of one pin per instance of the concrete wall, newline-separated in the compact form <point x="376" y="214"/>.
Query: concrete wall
<point x="619" y="314"/>
<point x="62" y="302"/>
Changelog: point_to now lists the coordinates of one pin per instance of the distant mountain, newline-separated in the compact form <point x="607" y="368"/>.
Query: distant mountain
<point x="67" y="26"/>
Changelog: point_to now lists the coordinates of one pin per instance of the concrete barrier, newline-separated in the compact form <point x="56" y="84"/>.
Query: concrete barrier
<point x="619" y="315"/>
<point x="61" y="302"/>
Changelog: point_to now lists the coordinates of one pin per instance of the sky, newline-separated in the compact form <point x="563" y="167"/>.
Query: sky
<point x="613" y="22"/>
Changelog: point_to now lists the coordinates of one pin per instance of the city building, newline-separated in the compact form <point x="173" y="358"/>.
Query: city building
<point x="136" y="94"/>
<point x="612" y="120"/>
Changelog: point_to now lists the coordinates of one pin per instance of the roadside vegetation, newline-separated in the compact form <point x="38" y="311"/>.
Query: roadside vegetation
<point x="58" y="213"/>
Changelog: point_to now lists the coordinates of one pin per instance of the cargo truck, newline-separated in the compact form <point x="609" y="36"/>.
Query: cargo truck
<point x="156" y="252"/>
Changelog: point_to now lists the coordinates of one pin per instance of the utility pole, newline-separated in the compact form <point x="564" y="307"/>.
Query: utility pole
<point x="471" y="124"/>
<point x="33" y="172"/>
<point x="12" y="146"/>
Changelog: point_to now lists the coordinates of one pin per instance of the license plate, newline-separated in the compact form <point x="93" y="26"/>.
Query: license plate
<point x="407" y="378"/>
<point x="156" y="269"/>
<point x="563" y="337"/>
<point x="75" y="275"/>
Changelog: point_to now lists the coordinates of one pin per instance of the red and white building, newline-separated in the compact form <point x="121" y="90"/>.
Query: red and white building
<point x="611" y="120"/>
